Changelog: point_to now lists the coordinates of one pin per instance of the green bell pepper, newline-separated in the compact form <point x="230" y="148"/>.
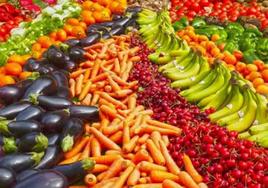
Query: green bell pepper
<point x="197" y="22"/>
<point x="249" y="56"/>
<point x="181" y="24"/>
<point x="262" y="49"/>
<point x="248" y="41"/>
<point x="231" y="45"/>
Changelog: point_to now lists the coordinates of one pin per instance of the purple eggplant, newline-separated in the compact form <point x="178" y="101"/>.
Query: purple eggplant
<point x="53" y="155"/>
<point x="1" y="139"/>
<point x="12" y="110"/>
<point x="72" y="42"/>
<point x="44" y="179"/>
<point x="106" y="35"/>
<point x="53" y="102"/>
<point x="26" y="174"/>
<point x="88" y="113"/>
<point x="75" y="171"/>
<point x="7" y="177"/>
<point x="43" y="85"/>
<point x="55" y="56"/>
<point x="9" y="145"/>
<point x="92" y="39"/>
<point x="10" y="94"/>
<point x="53" y="139"/>
<point x="69" y="65"/>
<point x="96" y="28"/>
<point x="64" y="92"/>
<point x="46" y="68"/>
<point x="19" y="128"/>
<point x="116" y="17"/>
<point x="72" y="130"/>
<point x="35" y="141"/>
<point x="117" y="30"/>
<point x="53" y="121"/>
<point x="61" y="78"/>
<point x="24" y="84"/>
<point x="77" y="54"/>
<point x="31" y="65"/>
<point x="21" y="161"/>
<point x="33" y="112"/>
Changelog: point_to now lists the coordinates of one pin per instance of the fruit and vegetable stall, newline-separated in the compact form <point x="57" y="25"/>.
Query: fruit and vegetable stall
<point x="133" y="94"/>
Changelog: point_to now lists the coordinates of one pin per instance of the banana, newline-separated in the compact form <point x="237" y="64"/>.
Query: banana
<point x="205" y="101"/>
<point x="247" y="120"/>
<point x="182" y="51"/>
<point x="258" y="128"/>
<point x="262" y="115"/>
<point x="258" y="137"/>
<point x="244" y="135"/>
<point x="160" y="57"/>
<point x="235" y="104"/>
<point x="264" y="142"/>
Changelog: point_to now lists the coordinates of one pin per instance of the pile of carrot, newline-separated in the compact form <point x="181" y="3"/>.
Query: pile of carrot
<point x="130" y="148"/>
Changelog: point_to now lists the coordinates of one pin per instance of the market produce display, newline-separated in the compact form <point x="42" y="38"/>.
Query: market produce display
<point x="104" y="94"/>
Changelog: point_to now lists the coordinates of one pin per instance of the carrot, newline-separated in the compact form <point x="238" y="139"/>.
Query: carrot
<point x="89" y="56"/>
<point x="77" y="148"/>
<point x="101" y="176"/>
<point x="104" y="102"/>
<point x="190" y="169"/>
<point x="165" y="140"/>
<point x="155" y="136"/>
<point x="129" y="147"/>
<point x="114" y="85"/>
<point x="126" y="134"/>
<point x="149" y="185"/>
<point x="147" y="112"/>
<point x="105" y="159"/>
<point x="202" y="185"/>
<point x="90" y="179"/>
<point x="72" y="87"/>
<point x="85" y="90"/>
<point x="117" y="137"/>
<point x="87" y="99"/>
<point x="77" y="186"/>
<point x="95" y="99"/>
<point x="123" y="93"/>
<point x="105" y="141"/>
<point x="170" y="184"/>
<point x="101" y="84"/>
<point x="134" y="177"/>
<point x="94" y="46"/>
<point x="100" y="77"/>
<point x="123" y="64"/>
<point x="86" y="152"/>
<point x="133" y="51"/>
<point x="155" y="152"/>
<point x="113" y="128"/>
<point x="113" y="152"/>
<point x="95" y="125"/>
<point x="187" y="180"/>
<point x="98" y="168"/>
<point x="128" y="156"/>
<point x="108" y="111"/>
<point x="116" y="167"/>
<point x="136" y="124"/>
<point x="141" y="155"/>
<point x="144" y="174"/>
<point x="79" y="83"/>
<point x="163" y="125"/>
<point x="123" y="113"/>
<point x="112" y="100"/>
<point x="132" y="102"/>
<point x="170" y="163"/>
<point x="104" y="183"/>
<point x="108" y="88"/>
<point x="119" y="80"/>
<point x="95" y="148"/>
<point x="77" y="73"/>
<point x="117" y="66"/>
<point x="125" y="74"/>
<point x="95" y="69"/>
<point x="133" y="85"/>
<point x="123" y="177"/>
<point x="72" y="159"/>
<point x="150" y="129"/>
<point x="158" y="176"/>
<point x="87" y="64"/>
<point x="135" y="59"/>
<point x="148" y="166"/>
<point x="86" y="75"/>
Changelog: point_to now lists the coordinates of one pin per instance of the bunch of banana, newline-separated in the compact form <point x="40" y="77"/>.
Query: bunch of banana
<point x="157" y="31"/>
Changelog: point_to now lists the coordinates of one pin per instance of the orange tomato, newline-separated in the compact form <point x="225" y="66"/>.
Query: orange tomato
<point x="37" y="54"/>
<point x="45" y="41"/>
<point x="215" y="37"/>
<point x="61" y="35"/>
<point x="229" y="58"/>
<point x="53" y="35"/>
<point x="13" y="69"/>
<point x="221" y="46"/>
<point x="264" y="74"/>
<point x="86" y="5"/>
<point x="253" y="75"/>
<point x="252" y="67"/>
<point x="96" y="7"/>
<point x="240" y="66"/>
<point x="26" y="57"/>
<point x="238" y="55"/>
<point x="83" y="24"/>
<point x="259" y="64"/>
<point x="73" y="21"/>
<point x="215" y="52"/>
<point x="114" y="6"/>
<point x="231" y="67"/>
<point x="25" y="75"/>
<point x="263" y="89"/>
<point x="5" y="80"/>
<point x="97" y="15"/>
<point x="78" y="32"/>
<point x="16" y="59"/>
<point x="68" y="28"/>
<point x="104" y="2"/>
<point x="36" y="46"/>
<point x="202" y="38"/>
<point x="258" y="81"/>
<point x="2" y="70"/>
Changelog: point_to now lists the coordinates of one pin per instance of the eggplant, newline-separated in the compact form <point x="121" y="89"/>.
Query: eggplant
<point x="72" y="130"/>
<point x="19" y="128"/>
<point x="44" y="179"/>
<point x="55" y="56"/>
<point x="75" y="171"/>
<point x="1" y="139"/>
<point x="61" y="78"/>
<point x="26" y="174"/>
<point x="10" y="94"/>
<point x="31" y="113"/>
<point x="53" y="121"/>
<point x="2" y="153"/>
<point x="106" y="24"/>
<point x="31" y="65"/>
<point x="122" y="22"/>
<point x="77" y="54"/>
<point x="24" y="84"/>
<point x="116" y="17"/>
<point x="9" y="145"/>
<point x="106" y="35"/>
<point x="70" y="66"/>
<point x="89" y="113"/>
<point x="21" y="161"/>
<point x="64" y="92"/>
<point x="46" y="69"/>
<point x="96" y="28"/>
<point x="53" y="156"/>
<point x="34" y="141"/>
<point x="72" y="42"/>
<point x="117" y="30"/>
<point x="53" y="102"/>
<point x="133" y="10"/>
<point x="43" y="85"/>
<point x="53" y="139"/>
<point x="7" y="178"/>
<point x="92" y="39"/>
<point x="12" y="110"/>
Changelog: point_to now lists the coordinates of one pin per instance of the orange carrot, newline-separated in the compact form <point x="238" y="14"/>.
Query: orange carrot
<point x="126" y="135"/>
<point x="155" y="136"/>
<point x="170" y="163"/>
<point x="98" y="168"/>
<point x="137" y="123"/>
<point x="187" y="180"/>
<point x="158" y="176"/>
<point x="104" y="183"/>
<point x="117" y="66"/>
<point x="123" y="177"/>
<point x="135" y="59"/>
<point x="117" y="137"/>
<point x="141" y="155"/>
<point x="87" y="99"/>
<point x="95" y="69"/>
<point x="128" y="156"/>
<point x="95" y="99"/>
<point x="165" y="140"/>
<point x="101" y="84"/>
<point x="129" y="147"/>
<point x="72" y="159"/>
<point x="72" y="87"/>
<point x="171" y="184"/>
<point x="113" y="152"/>
<point x="202" y="185"/>
<point x="155" y="152"/>
<point x="116" y="167"/>
<point x="100" y="77"/>
<point x="148" y="166"/>
<point x="134" y="177"/>
<point x="85" y="90"/>
<point x="125" y="74"/>
<point x="133" y="51"/>
<point x="94" y="46"/>
<point x="104" y="102"/>
<point x="90" y="179"/>
<point x="119" y="80"/>
<point x="86" y="75"/>
<point x="95" y="125"/>
<point x="132" y="102"/>
<point x="105" y="159"/>
<point x="150" y="129"/>
<point x="163" y="125"/>
<point x="123" y="64"/>
<point x="101" y="176"/>
<point x="113" y="128"/>
<point x="108" y="111"/>
<point x="112" y="100"/>
<point x="144" y="174"/>
<point x="77" y="73"/>
<point x="105" y="141"/>
<point x="190" y="169"/>
<point x="114" y="85"/>
<point x="95" y="148"/>
<point x="79" y="83"/>
<point x="133" y="85"/>
<point x="108" y="89"/>
<point x="148" y="185"/>
<point x="123" y="93"/>
<point x="77" y="148"/>
<point x="86" y="152"/>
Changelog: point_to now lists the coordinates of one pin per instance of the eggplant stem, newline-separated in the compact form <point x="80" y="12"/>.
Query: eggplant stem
<point x="36" y="157"/>
<point x="67" y="143"/>
<point x="33" y="98"/>
<point x="4" y="127"/>
<point x="41" y="143"/>
<point x="9" y="145"/>
<point x="88" y="164"/>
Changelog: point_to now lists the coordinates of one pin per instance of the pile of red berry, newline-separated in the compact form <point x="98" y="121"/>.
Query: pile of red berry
<point x="222" y="159"/>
